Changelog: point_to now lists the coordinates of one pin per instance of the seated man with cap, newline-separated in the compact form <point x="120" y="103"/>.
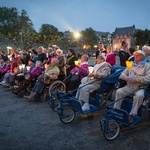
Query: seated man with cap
<point x="137" y="76"/>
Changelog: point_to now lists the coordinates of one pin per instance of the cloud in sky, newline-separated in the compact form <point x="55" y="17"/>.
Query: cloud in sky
<point x="74" y="15"/>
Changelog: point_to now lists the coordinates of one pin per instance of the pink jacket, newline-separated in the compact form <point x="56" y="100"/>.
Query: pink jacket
<point x="36" y="72"/>
<point x="82" y="70"/>
<point x="5" y="69"/>
<point x="111" y="59"/>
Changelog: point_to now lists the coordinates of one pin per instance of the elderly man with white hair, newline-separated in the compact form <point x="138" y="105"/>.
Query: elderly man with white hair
<point x="137" y="76"/>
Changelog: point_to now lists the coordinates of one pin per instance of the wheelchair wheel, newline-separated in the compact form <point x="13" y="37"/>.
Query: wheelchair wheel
<point x="57" y="86"/>
<point x="112" y="130"/>
<point x="54" y="87"/>
<point x="66" y="114"/>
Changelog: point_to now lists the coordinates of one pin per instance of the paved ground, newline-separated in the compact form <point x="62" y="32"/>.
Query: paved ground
<point x="34" y="126"/>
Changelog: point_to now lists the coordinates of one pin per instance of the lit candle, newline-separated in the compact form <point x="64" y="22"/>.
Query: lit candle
<point x="23" y="66"/>
<point x="90" y="69"/>
<point x="76" y="62"/>
<point x="28" y="68"/>
<point x="20" y="67"/>
<point x="129" y="64"/>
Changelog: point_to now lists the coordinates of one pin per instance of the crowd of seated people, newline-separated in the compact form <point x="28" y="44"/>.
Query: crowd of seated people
<point x="18" y="70"/>
<point x="29" y="76"/>
<point x="51" y="72"/>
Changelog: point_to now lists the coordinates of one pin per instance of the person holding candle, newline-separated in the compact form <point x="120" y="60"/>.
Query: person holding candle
<point x="5" y="70"/>
<point x="136" y="76"/>
<point x="33" y="74"/>
<point x="80" y="69"/>
<point x="25" y="70"/>
<point x="11" y="72"/>
<point x="9" y="77"/>
<point x="51" y="72"/>
<point x="101" y="70"/>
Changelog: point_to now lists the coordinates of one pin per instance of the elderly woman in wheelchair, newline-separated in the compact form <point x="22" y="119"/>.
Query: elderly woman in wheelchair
<point x="51" y="73"/>
<point x="77" y="73"/>
<point x="29" y="79"/>
<point x="136" y="77"/>
<point x="101" y="70"/>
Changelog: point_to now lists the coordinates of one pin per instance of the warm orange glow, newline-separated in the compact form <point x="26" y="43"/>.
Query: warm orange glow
<point x="15" y="70"/>
<point x="129" y="64"/>
<point x="76" y="62"/>
<point x="86" y="47"/>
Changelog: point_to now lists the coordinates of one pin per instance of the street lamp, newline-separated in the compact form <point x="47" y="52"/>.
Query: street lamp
<point x="77" y="35"/>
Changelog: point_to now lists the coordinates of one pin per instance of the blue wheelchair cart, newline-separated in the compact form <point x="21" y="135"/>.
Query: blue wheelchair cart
<point x="114" y="116"/>
<point x="68" y="105"/>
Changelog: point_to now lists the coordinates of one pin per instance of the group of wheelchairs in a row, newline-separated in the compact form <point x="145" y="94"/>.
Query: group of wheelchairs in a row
<point x="66" y="105"/>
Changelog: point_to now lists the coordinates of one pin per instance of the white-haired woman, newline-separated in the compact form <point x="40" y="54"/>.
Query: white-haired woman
<point x="51" y="72"/>
<point x="82" y="70"/>
<point x="146" y="50"/>
<point x="101" y="70"/>
<point x="61" y="64"/>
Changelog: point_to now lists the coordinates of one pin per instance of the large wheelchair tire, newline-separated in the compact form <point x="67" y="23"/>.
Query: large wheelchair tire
<point x="66" y="114"/>
<point x="112" y="130"/>
<point x="52" y="93"/>
<point x="57" y="86"/>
